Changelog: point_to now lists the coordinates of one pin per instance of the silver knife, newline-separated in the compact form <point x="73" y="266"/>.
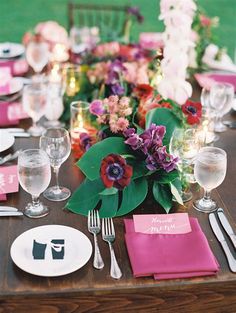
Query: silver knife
<point x="225" y="223"/>
<point x="8" y="209"/>
<point x="11" y="213"/>
<point x="219" y="235"/>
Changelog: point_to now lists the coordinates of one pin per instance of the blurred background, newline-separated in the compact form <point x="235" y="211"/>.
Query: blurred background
<point x="18" y="16"/>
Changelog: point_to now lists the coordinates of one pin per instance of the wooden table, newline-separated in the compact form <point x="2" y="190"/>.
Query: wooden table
<point x="90" y="290"/>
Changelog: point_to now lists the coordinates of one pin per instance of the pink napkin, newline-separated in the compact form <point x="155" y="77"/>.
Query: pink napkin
<point x="151" y="41"/>
<point x="5" y="79"/>
<point x="5" y="120"/>
<point x="18" y="66"/>
<point x="170" y="256"/>
<point x="3" y="197"/>
<point x="208" y="79"/>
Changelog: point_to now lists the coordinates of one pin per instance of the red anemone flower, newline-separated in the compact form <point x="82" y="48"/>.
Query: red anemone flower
<point x="115" y="172"/>
<point x="193" y="112"/>
<point x="143" y="91"/>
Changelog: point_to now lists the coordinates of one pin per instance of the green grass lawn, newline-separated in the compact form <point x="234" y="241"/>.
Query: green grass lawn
<point x="18" y="16"/>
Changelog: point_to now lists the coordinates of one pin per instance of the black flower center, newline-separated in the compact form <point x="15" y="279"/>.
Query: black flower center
<point x="192" y="109"/>
<point x="115" y="171"/>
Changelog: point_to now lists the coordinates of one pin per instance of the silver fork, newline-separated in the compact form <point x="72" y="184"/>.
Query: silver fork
<point x="108" y="235"/>
<point x="94" y="228"/>
<point x="9" y="157"/>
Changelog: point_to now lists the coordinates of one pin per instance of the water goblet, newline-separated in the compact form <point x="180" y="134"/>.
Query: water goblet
<point x="221" y="100"/>
<point x="209" y="171"/>
<point x="34" y="175"/>
<point x="34" y="103"/>
<point x="185" y="144"/>
<point x="37" y="56"/>
<point x="56" y="143"/>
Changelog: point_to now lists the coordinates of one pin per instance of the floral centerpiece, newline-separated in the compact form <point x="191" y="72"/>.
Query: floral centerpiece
<point x="131" y="161"/>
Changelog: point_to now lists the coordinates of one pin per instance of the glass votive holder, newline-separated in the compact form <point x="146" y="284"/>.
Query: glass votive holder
<point x="83" y="128"/>
<point x="206" y="129"/>
<point x="71" y="80"/>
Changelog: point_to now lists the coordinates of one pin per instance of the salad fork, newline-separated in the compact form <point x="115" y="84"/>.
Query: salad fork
<point x="94" y="228"/>
<point x="108" y="235"/>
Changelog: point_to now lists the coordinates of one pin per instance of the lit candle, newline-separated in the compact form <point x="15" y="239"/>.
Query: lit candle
<point x="55" y="74"/>
<point x="59" y="53"/>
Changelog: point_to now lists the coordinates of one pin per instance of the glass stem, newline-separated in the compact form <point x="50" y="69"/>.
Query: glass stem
<point x="56" y="171"/>
<point x="35" y="200"/>
<point x="207" y="195"/>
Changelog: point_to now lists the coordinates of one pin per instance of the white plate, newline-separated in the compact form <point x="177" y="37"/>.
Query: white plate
<point x="77" y="250"/>
<point x="6" y="140"/>
<point x="16" y="84"/>
<point x="10" y="50"/>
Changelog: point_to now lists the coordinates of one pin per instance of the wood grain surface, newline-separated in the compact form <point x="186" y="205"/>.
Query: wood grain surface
<point x="90" y="290"/>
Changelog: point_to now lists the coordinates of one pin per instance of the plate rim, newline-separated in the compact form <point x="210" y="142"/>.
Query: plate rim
<point x="12" y="140"/>
<point x="75" y="268"/>
<point x="15" y="55"/>
<point x="18" y="90"/>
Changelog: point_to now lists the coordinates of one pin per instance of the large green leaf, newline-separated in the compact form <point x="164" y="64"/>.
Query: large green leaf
<point x="109" y="205"/>
<point x="91" y="161"/>
<point x="86" y="197"/>
<point x="165" y="117"/>
<point x="133" y="195"/>
<point x="176" y="190"/>
<point x="162" y="195"/>
<point x="162" y="177"/>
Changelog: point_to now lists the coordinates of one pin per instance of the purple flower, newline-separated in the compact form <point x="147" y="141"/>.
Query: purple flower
<point x="96" y="107"/>
<point x="161" y="159"/>
<point x="85" y="141"/>
<point x="129" y="132"/>
<point x="135" y="12"/>
<point x="152" y="137"/>
<point x="117" y="89"/>
<point x="117" y="67"/>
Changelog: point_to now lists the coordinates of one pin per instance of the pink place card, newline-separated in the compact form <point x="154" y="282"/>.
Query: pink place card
<point x="4" y="118"/>
<point x="176" y="223"/>
<point x="8" y="179"/>
<point x="5" y="78"/>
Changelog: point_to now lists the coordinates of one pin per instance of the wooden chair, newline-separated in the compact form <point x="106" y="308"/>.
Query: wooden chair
<point x="108" y="18"/>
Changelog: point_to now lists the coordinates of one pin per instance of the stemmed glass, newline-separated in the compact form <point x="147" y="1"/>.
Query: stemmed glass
<point x="209" y="171"/>
<point x="34" y="175"/>
<point x="185" y="144"/>
<point x="56" y="143"/>
<point x="34" y="103"/>
<point x="37" y="56"/>
<point x="221" y="100"/>
<point x="54" y="108"/>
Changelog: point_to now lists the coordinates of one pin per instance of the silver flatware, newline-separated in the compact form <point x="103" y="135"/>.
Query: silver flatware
<point x="108" y="235"/>
<point x="11" y="213"/>
<point x="94" y="227"/>
<point x="227" y="227"/>
<point x="14" y="130"/>
<point x="219" y="235"/>
<point x="9" y="157"/>
<point x="8" y="209"/>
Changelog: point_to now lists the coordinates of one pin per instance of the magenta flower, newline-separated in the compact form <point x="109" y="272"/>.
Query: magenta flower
<point x="97" y="108"/>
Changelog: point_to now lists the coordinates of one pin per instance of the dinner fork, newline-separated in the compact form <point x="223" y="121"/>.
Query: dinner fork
<point x="94" y="228"/>
<point x="108" y="235"/>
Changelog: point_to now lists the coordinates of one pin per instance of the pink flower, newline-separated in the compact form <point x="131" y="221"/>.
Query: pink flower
<point x="205" y="21"/>
<point x="110" y="48"/>
<point x="52" y="32"/>
<point x="96" y="107"/>
<point x="122" y="124"/>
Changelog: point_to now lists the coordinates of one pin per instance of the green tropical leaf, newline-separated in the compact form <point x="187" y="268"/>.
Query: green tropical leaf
<point x="91" y="161"/>
<point x="109" y="205"/>
<point x="162" y="195"/>
<point x="133" y="195"/>
<point x="86" y="197"/>
<point x="176" y="194"/>
<point x="109" y="191"/>
<point x="165" y="117"/>
<point x="162" y="177"/>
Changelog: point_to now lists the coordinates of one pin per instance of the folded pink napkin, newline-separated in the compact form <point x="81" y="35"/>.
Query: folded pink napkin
<point x="170" y="256"/>
<point x="18" y="66"/>
<point x="208" y="79"/>
<point x="3" y="197"/>
<point x="5" y="120"/>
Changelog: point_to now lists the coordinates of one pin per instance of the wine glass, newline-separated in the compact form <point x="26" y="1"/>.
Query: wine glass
<point x="185" y="144"/>
<point x="34" y="175"/>
<point x="221" y="96"/>
<point x="54" y="108"/>
<point x="209" y="171"/>
<point x="34" y="103"/>
<point x="37" y="56"/>
<point x="56" y="143"/>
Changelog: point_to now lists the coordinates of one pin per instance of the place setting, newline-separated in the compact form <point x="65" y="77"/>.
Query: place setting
<point x="116" y="161"/>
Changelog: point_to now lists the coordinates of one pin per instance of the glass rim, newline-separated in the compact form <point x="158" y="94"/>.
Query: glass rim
<point x="74" y="103"/>
<point x="66" y="132"/>
<point x="39" y="151"/>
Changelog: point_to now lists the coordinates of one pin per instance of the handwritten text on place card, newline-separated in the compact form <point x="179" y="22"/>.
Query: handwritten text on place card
<point x="8" y="179"/>
<point x="177" y="223"/>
